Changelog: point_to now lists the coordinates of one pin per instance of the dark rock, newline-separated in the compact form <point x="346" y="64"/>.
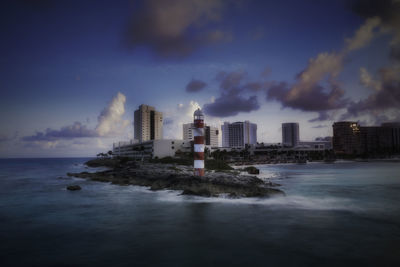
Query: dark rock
<point x="74" y="187"/>
<point x="158" y="178"/>
<point x="104" y="162"/>
<point x="201" y="192"/>
<point x="252" y="170"/>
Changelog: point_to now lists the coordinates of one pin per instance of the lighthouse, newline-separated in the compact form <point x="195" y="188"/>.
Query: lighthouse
<point x="198" y="134"/>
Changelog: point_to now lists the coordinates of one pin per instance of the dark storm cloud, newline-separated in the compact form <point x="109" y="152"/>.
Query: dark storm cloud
<point x="234" y="95"/>
<point x="75" y="130"/>
<point x="175" y="28"/>
<point x="195" y="86"/>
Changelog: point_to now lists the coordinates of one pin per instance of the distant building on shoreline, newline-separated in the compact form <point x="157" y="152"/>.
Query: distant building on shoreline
<point x="350" y="138"/>
<point x="148" y="124"/>
<point x="210" y="134"/>
<point x="239" y="134"/>
<point x="290" y="134"/>
<point x="150" y="149"/>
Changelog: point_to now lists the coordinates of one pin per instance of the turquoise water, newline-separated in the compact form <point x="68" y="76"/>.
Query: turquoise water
<point x="333" y="215"/>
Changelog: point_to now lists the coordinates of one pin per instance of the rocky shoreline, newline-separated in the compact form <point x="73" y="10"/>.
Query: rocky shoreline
<point x="178" y="177"/>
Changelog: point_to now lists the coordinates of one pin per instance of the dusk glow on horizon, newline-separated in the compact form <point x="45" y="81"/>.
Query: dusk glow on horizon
<point x="73" y="72"/>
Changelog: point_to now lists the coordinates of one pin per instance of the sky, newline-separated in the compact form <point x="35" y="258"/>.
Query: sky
<point x="73" y="72"/>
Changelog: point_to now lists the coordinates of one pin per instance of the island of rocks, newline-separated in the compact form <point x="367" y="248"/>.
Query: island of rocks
<point x="159" y="176"/>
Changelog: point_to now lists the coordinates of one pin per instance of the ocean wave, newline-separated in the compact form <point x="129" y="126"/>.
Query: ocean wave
<point x="281" y="202"/>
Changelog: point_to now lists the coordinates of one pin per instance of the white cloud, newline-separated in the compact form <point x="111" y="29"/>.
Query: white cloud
<point x="175" y="118"/>
<point x="367" y="80"/>
<point x="110" y="122"/>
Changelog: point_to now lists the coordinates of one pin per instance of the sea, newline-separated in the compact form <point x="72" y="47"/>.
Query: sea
<point x="341" y="214"/>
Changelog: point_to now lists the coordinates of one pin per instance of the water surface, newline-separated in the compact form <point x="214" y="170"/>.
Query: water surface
<point x="333" y="215"/>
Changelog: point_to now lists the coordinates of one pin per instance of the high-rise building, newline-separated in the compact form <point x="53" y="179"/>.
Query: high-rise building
<point x="148" y="123"/>
<point x="290" y="134"/>
<point x="350" y="138"/>
<point x="239" y="134"/>
<point x="346" y="137"/>
<point x="210" y="134"/>
<point x="392" y="132"/>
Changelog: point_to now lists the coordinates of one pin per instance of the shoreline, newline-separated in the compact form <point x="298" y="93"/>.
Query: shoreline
<point x="158" y="176"/>
<point x="257" y="163"/>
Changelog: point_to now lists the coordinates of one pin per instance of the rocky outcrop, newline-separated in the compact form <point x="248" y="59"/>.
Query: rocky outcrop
<point x="252" y="170"/>
<point x="172" y="177"/>
<point x="74" y="187"/>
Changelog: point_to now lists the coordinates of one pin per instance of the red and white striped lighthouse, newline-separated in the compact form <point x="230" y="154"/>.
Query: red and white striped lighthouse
<point x="198" y="133"/>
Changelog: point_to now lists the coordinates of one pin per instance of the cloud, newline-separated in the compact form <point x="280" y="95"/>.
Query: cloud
<point x="174" y="118"/>
<point x="363" y="35"/>
<point x="322" y="116"/>
<point x="320" y="126"/>
<point x="386" y="98"/>
<point x="175" y="28"/>
<point x="367" y="80"/>
<point x="76" y="130"/>
<point x="110" y="123"/>
<point x="308" y="93"/>
<point x="382" y="104"/>
<point x="313" y="98"/>
<point x="234" y="97"/>
<point x="324" y="66"/>
<point x="195" y="86"/>
<point x="110" y="120"/>
<point x="231" y="105"/>
<point x="388" y="13"/>
<point x="317" y="87"/>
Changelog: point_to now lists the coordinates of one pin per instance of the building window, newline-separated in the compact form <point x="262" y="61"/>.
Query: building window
<point x="172" y="147"/>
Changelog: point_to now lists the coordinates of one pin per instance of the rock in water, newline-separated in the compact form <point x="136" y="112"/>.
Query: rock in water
<point x="252" y="170"/>
<point x="74" y="187"/>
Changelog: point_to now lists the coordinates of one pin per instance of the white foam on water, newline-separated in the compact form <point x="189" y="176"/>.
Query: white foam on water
<point x="279" y="202"/>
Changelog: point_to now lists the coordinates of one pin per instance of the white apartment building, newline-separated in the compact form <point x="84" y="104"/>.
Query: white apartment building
<point x="148" y="124"/>
<point x="210" y="134"/>
<point x="150" y="149"/>
<point x="290" y="134"/>
<point x="239" y="134"/>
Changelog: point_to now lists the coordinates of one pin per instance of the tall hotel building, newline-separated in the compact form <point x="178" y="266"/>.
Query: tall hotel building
<point x="351" y="138"/>
<point x="346" y="137"/>
<point x="210" y="134"/>
<point x="239" y="134"/>
<point x="148" y="124"/>
<point x="290" y="134"/>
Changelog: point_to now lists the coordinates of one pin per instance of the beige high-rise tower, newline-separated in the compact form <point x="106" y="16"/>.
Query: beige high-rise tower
<point x="148" y="123"/>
